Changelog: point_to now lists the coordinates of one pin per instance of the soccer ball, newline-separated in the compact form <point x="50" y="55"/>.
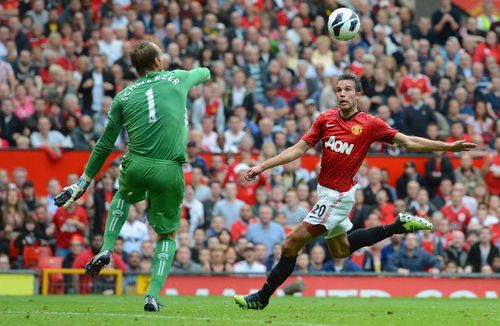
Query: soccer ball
<point x="343" y="24"/>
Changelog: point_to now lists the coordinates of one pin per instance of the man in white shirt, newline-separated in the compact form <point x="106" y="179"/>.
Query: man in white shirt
<point x="233" y="136"/>
<point x="46" y="137"/>
<point x="249" y="265"/>
<point x="134" y="232"/>
<point x="110" y="46"/>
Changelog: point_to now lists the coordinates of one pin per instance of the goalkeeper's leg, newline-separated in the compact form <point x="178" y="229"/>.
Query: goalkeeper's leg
<point x="164" y="216"/>
<point x="162" y="261"/>
<point x="118" y="213"/>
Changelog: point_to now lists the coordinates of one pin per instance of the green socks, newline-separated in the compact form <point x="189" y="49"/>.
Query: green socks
<point x="162" y="261"/>
<point x="117" y="215"/>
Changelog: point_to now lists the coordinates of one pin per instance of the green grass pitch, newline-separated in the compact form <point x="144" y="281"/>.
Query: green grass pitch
<point x="294" y="311"/>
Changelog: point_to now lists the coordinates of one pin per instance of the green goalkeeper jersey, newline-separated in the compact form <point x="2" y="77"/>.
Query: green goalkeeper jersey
<point x="153" y="111"/>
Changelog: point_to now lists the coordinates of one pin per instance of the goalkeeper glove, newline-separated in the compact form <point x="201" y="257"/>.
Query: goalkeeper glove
<point x="73" y="192"/>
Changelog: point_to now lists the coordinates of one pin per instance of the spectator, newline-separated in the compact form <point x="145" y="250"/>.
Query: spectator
<point x="456" y="212"/>
<point x="266" y="231"/>
<point x="134" y="231"/>
<point x="210" y="137"/>
<point x="234" y="135"/>
<point x="372" y="260"/>
<point x="194" y="159"/>
<point x="211" y="105"/>
<point x="11" y="125"/>
<point x="110" y="46"/>
<point x="437" y="169"/>
<point x="68" y="222"/>
<point x="240" y="227"/>
<point x="293" y="211"/>
<point x="75" y="249"/>
<point x="410" y="174"/>
<point x="456" y="251"/>
<point x="422" y="206"/>
<point x="446" y="21"/>
<point x="183" y="263"/>
<point x="374" y="186"/>
<point x="84" y="136"/>
<point x="51" y="140"/>
<point x="467" y="174"/>
<point x="14" y="212"/>
<point x="209" y="203"/>
<point x="412" y="259"/>
<point x="229" y="207"/>
<point x="192" y="209"/>
<point x="414" y="80"/>
<point x="491" y="169"/>
<point x="360" y="210"/>
<point x="96" y="84"/>
<point x="249" y="264"/>
<point x="4" y="262"/>
<point x="317" y="261"/>
<point x="342" y="265"/>
<point x="265" y="133"/>
<point x="481" y="253"/>
<point x="418" y="115"/>
<point x="217" y="262"/>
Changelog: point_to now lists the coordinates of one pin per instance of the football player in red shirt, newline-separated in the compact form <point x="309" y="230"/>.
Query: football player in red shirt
<point x="347" y="134"/>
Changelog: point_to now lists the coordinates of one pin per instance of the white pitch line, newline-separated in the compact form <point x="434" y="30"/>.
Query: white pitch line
<point x="147" y="316"/>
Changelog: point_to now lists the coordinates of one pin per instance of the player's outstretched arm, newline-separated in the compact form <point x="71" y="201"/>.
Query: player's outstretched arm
<point x="419" y="144"/>
<point x="288" y="155"/>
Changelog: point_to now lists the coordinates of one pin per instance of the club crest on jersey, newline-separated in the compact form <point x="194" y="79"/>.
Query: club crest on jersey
<point x="356" y="130"/>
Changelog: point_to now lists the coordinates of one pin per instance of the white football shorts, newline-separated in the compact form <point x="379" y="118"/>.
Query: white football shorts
<point x="332" y="210"/>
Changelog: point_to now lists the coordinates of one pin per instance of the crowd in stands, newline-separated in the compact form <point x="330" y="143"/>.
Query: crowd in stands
<point x="274" y="68"/>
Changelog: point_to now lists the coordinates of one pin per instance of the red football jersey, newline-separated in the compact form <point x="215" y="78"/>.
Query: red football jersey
<point x="420" y="81"/>
<point x="459" y="218"/>
<point x="64" y="229"/>
<point x="345" y="145"/>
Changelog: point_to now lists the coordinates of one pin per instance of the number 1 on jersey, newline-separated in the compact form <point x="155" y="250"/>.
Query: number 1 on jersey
<point x="151" y="105"/>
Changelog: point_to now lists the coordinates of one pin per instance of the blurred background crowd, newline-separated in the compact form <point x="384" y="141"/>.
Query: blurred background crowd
<point x="273" y="70"/>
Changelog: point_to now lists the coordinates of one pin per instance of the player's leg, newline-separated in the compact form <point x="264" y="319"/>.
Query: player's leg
<point x="360" y="238"/>
<point x="162" y="262"/>
<point x="165" y="202"/>
<point x="130" y="192"/>
<point x="118" y="212"/>
<point x="293" y="243"/>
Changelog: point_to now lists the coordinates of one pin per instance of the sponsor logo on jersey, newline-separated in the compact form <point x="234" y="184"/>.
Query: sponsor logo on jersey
<point x="339" y="146"/>
<point x="356" y="130"/>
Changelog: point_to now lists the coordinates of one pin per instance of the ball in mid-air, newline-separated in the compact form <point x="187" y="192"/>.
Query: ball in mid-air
<point x="343" y="24"/>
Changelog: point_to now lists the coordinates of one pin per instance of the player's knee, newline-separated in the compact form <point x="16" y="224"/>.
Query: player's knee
<point x="340" y="251"/>
<point x="171" y="235"/>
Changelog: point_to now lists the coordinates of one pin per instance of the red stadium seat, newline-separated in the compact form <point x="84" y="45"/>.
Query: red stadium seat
<point x="32" y="255"/>
<point x="56" y="281"/>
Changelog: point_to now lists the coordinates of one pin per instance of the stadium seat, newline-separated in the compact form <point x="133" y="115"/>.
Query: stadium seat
<point x="32" y="255"/>
<point x="56" y="281"/>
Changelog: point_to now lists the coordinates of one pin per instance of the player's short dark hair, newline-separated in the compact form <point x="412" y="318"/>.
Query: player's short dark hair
<point x="143" y="57"/>
<point x="357" y="82"/>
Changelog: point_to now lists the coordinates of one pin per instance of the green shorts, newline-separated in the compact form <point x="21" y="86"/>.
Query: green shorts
<point x="161" y="182"/>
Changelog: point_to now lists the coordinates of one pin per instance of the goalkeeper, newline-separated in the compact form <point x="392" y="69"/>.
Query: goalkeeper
<point x="153" y="111"/>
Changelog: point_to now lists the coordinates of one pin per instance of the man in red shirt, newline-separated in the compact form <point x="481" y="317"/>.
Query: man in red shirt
<point x="491" y="169"/>
<point x="347" y="135"/>
<point x="68" y="222"/>
<point x="84" y="283"/>
<point x="414" y="80"/>
<point x="239" y="228"/>
<point x="456" y="212"/>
